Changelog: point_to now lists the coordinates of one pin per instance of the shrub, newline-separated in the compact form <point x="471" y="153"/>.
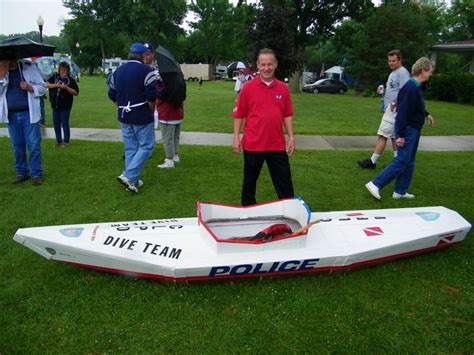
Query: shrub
<point x="453" y="87"/>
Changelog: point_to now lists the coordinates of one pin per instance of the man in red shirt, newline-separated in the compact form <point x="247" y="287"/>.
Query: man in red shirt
<point x="265" y="105"/>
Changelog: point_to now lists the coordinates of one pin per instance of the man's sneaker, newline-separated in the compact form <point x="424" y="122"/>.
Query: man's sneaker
<point x="140" y="184"/>
<point x="366" y="164"/>
<point x="168" y="164"/>
<point x="374" y="190"/>
<point x="129" y="185"/>
<point x="37" y="180"/>
<point x="405" y="195"/>
<point x="176" y="158"/>
<point x="19" y="179"/>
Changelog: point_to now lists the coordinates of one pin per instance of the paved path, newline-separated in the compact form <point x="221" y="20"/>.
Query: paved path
<point x="428" y="143"/>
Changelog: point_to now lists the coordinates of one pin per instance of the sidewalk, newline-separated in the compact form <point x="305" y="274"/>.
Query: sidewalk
<point x="427" y="143"/>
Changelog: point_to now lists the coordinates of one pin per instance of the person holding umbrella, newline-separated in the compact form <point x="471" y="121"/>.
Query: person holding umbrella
<point x="170" y="118"/>
<point x="20" y="106"/>
<point x="170" y="105"/>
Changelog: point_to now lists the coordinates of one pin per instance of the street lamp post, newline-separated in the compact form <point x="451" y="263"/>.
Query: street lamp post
<point x="40" y="23"/>
<point x="78" y="46"/>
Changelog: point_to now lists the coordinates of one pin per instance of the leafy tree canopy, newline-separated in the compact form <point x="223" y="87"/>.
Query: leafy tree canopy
<point x="288" y="26"/>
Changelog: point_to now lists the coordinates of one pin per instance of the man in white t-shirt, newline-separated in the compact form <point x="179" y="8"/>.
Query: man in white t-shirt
<point x="397" y="78"/>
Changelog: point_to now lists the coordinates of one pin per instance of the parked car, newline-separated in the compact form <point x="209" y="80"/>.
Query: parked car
<point x="326" y="85"/>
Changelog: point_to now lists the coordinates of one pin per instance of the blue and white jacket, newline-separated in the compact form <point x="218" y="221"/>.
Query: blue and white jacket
<point x="132" y="86"/>
<point x="31" y="75"/>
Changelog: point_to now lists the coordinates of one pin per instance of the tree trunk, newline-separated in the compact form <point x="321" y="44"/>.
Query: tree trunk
<point x="294" y="82"/>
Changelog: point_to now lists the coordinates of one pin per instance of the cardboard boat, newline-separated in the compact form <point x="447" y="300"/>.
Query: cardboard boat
<point x="216" y="244"/>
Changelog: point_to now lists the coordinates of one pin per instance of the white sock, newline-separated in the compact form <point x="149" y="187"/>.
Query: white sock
<point x="374" y="158"/>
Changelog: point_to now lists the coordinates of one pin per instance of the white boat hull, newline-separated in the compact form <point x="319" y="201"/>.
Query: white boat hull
<point x="189" y="249"/>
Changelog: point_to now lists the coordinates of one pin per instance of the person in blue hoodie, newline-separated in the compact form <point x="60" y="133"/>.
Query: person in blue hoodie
<point x="133" y="88"/>
<point x="411" y="115"/>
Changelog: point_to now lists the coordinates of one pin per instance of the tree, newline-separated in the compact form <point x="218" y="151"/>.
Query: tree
<point x="274" y="29"/>
<point x="393" y="26"/>
<point x="290" y="25"/>
<point x="458" y="21"/>
<point x="219" y="33"/>
<point x="90" y="29"/>
<point x="108" y="27"/>
<point x="157" y="21"/>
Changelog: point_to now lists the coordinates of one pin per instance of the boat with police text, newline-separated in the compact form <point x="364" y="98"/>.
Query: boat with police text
<point x="275" y="238"/>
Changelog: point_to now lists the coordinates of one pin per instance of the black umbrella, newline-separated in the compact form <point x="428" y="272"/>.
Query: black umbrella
<point x="22" y="47"/>
<point x="170" y="71"/>
<point x="166" y="61"/>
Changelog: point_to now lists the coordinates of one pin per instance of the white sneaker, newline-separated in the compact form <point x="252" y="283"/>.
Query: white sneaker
<point x="168" y="164"/>
<point x="140" y="184"/>
<point x="129" y="185"/>
<point x="374" y="190"/>
<point x="406" y="195"/>
<point x="176" y="158"/>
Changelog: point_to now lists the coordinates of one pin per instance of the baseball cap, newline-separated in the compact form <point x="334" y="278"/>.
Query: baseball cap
<point x="138" y="48"/>
<point x="149" y="47"/>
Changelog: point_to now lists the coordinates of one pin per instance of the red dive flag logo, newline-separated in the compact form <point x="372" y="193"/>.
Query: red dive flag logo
<point x="446" y="239"/>
<point x="373" y="231"/>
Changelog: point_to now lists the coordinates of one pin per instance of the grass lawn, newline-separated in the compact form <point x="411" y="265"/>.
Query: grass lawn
<point x="208" y="109"/>
<point x="422" y="304"/>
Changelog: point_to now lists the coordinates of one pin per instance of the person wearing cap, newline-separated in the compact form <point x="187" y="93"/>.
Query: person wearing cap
<point x="133" y="88"/>
<point x="149" y="56"/>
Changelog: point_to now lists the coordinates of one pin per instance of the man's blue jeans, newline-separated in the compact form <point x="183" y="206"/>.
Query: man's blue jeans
<point x="25" y="134"/>
<point x="403" y="166"/>
<point x="139" y="142"/>
<point x="61" y="118"/>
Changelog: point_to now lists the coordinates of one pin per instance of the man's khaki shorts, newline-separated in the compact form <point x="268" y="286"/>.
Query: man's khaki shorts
<point x="387" y="126"/>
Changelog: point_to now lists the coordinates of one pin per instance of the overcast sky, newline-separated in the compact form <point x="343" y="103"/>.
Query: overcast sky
<point x="19" y="16"/>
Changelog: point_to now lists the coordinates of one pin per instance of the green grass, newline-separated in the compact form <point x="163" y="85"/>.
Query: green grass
<point x="208" y="109"/>
<point x="421" y="304"/>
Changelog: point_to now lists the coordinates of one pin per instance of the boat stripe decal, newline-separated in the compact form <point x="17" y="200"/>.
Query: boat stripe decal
<point x="217" y="277"/>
